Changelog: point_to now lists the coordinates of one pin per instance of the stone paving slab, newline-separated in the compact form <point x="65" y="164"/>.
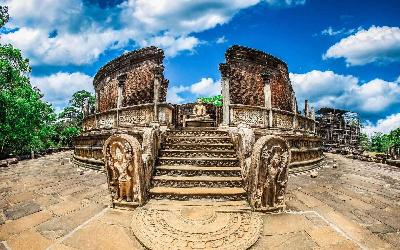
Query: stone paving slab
<point x="45" y="204"/>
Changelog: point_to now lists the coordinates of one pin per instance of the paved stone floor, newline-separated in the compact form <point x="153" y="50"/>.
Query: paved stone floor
<point x="46" y="204"/>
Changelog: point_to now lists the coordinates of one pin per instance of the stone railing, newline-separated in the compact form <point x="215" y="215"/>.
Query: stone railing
<point x="138" y="115"/>
<point x="262" y="117"/>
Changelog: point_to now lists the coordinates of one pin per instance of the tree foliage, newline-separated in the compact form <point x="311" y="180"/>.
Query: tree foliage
<point x="25" y="119"/>
<point x="70" y="119"/>
<point x="380" y="142"/>
<point x="214" y="100"/>
<point x="74" y="112"/>
<point x="3" y="15"/>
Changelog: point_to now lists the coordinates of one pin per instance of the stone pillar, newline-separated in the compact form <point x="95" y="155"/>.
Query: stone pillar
<point x="306" y="108"/>
<point x="312" y="116"/>
<point x="267" y="96"/>
<point x="226" y="100"/>
<point x="158" y="70"/>
<point x="85" y="108"/>
<point x="120" y="98"/>
<point x="96" y="106"/>
<point x="294" y="105"/>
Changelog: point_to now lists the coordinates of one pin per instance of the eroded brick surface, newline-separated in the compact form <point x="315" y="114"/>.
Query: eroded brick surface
<point x="248" y="69"/>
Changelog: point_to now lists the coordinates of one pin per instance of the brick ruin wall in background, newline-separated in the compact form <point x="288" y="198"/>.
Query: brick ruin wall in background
<point x="140" y="67"/>
<point x="244" y="68"/>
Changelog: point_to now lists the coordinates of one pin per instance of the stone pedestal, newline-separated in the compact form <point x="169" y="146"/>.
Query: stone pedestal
<point x="199" y="123"/>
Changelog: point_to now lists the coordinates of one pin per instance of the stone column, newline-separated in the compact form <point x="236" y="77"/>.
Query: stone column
<point x="85" y="108"/>
<point x="306" y="108"/>
<point x="294" y="105"/>
<point x="226" y="100"/>
<point x="312" y="116"/>
<point x="96" y="106"/>
<point x="267" y="96"/>
<point x="158" y="70"/>
<point x="120" y="98"/>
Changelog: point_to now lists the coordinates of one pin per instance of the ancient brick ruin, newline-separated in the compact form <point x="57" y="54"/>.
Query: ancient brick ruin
<point x="339" y="129"/>
<point x="149" y="151"/>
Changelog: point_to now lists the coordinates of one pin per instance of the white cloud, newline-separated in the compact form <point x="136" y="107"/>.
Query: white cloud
<point x="331" y="32"/>
<point x="377" y="44"/>
<point x="86" y="31"/>
<point x="315" y="82"/>
<point x="58" y="88"/>
<point x="221" y="39"/>
<point x="173" y="94"/>
<point x="285" y="3"/>
<point x="206" y="87"/>
<point x="173" y="45"/>
<point x="326" y="88"/>
<point x="65" y="48"/>
<point x="203" y="88"/>
<point x="383" y="125"/>
<point x="182" y="16"/>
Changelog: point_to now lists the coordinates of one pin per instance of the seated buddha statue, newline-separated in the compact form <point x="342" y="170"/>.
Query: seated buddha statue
<point x="199" y="110"/>
<point x="199" y="116"/>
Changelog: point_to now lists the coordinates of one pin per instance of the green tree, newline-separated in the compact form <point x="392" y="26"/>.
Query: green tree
<point x="70" y="120"/>
<point x="73" y="113"/>
<point x="214" y="100"/>
<point x="364" y="142"/>
<point x="3" y="15"/>
<point x="394" y="137"/>
<point x="26" y="121"/>
<point x="380" y="142"/>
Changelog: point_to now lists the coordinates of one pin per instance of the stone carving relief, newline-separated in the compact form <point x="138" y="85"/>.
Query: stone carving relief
<point x="124" y="167"/>
<point x="150" y="147"/>
<point x="268" y="175"/>
<point x="143" y="115"/>
<point x="106" y="121"/>
<point x="89" y="123"/>
<point x="251" y="117"/>
<point x="243" y="137"/>
<point x="283" y="121"/>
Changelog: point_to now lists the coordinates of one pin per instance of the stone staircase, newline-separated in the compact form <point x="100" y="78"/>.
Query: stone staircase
<point x="197" y="163"/>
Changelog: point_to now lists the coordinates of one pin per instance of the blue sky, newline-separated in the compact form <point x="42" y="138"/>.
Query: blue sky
<point x="343" y="54"/>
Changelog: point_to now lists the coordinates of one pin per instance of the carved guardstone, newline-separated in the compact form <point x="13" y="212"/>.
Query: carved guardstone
<point x="124" y="168"/>
<point x="268" y="175"/>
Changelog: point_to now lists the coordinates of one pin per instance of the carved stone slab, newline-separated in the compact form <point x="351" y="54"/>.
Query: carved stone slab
<point x="196" y="228"/>
<point x="124" y="168"/>
<point x="268" y="173"/>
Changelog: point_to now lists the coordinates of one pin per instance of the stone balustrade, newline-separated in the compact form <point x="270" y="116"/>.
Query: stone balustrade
<point x="137" y="115"/>
<point x="259" y="117"/>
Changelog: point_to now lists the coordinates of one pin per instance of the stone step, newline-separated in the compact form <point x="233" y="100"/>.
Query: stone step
<point x="197" y="153"/>
<point x="198" y="133"/>
<point x="197" y="193"/>
<point x="197" y="139"/>
<point x="216" y="205"/>
<point x="196" y="181"/>
<point x="204" y="161"/>
<point x="189" y="170"/>
<point x="198" y="146"/>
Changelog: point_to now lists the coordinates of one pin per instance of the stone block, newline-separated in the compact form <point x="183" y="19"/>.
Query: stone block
<point x="99" y="236"/>
<point x="325" y="236"/>
<point x="60" y="226"/>
<point x="22" y="224"/>
<point x="20" y="197"/>
<point x="295" y="240"/>
<point x="29" y="240"/>
<point x="284" y="223"/>
<point x="21" y="210"/>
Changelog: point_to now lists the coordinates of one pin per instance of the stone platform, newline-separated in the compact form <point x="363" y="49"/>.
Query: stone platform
<point x="47" y="205"/>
